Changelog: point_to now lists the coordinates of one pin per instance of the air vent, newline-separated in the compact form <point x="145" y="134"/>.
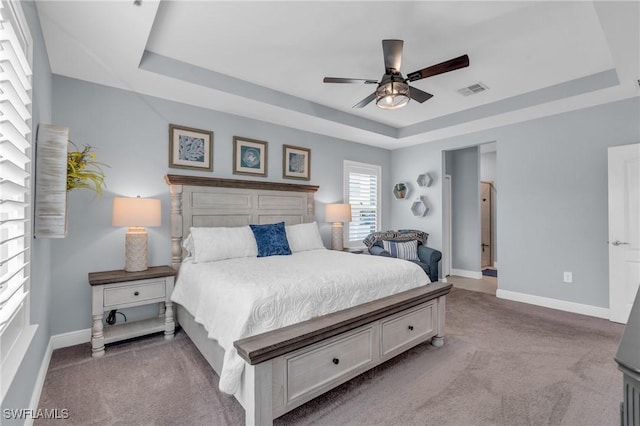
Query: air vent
<point x="473" y="89"/>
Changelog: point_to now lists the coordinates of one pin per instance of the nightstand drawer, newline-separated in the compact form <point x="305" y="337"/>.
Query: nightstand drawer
<point x="134" y="293"/>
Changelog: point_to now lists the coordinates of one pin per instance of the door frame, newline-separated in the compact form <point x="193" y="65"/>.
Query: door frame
<point x="616" y="230"/>
<point x="446" y="227"/>
<point x="491" y="242"/>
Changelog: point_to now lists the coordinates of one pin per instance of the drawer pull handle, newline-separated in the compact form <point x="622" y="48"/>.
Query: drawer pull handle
<point x="410" y="328"/>
<point x="137" y="293"/>
<point x="336" y="361"/>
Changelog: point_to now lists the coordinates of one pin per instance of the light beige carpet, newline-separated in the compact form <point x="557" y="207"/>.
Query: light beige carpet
<point x="503" y="363"/>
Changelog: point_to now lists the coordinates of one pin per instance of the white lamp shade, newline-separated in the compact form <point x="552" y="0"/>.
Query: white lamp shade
<point x="338" y="213"/>
<point x="136" y="212"/>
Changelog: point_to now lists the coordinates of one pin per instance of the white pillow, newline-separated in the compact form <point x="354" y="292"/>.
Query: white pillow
<point x="211" y="244"/>
<point x="303" y="237"/>
<point x="187" y="244"/>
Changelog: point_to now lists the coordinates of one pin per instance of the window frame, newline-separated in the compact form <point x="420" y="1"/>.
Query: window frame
<point x="375" y="170"/>
<point x="18" y="332"/>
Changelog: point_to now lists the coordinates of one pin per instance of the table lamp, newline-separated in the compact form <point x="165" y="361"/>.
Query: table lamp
<point x="338" y="214"/>
<point x="136" y="213"/>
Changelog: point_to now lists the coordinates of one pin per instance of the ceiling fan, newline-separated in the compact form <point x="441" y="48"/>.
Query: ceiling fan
<point x="393" y="89"/>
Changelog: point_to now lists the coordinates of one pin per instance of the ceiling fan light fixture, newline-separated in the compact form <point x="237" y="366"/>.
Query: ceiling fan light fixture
<point x="392" y="95"/>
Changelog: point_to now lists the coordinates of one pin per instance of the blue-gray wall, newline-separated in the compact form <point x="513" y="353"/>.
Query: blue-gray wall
<point x="130" y="133"/>
<point x="552" y="210"/>
<point x="21" y="390"/>
<point x="552" y="200"/>
<point x="464" y="169"/>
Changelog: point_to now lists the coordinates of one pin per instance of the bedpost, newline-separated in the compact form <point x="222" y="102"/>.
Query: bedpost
<point x="438" y="339"/>
<point x="258" y="408"/>
<point x="176" y="225"/>
<point x="311" y="204"/>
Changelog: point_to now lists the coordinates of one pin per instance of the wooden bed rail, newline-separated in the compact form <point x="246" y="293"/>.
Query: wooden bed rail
<point x="266" y="346"/>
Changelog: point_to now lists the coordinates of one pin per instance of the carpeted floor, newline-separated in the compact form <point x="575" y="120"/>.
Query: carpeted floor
<point x="503" y="363"/>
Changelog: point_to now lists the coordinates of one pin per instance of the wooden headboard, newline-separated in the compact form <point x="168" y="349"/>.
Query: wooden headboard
<point x="199" y="201"/>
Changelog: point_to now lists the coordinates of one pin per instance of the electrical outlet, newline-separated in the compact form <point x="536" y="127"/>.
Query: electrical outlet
<point x="568" y="277"/>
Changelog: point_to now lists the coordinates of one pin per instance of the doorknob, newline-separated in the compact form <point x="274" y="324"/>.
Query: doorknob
<point x="618" y="243"/>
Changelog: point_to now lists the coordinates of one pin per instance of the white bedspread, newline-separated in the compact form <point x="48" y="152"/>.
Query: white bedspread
<point x="241" y="297"/>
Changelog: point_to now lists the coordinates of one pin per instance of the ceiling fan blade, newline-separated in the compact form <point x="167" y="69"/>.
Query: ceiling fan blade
<point x="365" y="101"/>
<point x="419" y="95"/>
<point x="348" y="80"/>
<point x="446" y="66"/>
<point x="392" y="50"/>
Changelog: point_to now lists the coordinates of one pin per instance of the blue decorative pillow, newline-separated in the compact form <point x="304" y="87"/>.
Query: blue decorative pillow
<point x="271" y="239"/>
<point x="402" y="250"/>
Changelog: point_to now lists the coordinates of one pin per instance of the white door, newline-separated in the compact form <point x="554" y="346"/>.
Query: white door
<point x="624" y="229"/>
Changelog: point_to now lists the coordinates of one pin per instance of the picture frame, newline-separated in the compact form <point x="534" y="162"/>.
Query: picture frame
<point x="250" y="157"/>
<point x="296" y="162"/>
<point x="190" y="148"/>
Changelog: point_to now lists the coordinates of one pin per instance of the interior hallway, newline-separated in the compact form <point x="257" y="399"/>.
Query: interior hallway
<point x="486" y="284"/>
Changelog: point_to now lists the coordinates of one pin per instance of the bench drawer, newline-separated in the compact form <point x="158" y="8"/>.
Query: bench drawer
<point x="405" y="329"/>
<point x="311" y="370"/>
<point x="134" y="293"/>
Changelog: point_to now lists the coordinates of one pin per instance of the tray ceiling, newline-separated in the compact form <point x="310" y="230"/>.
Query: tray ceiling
<point x="266" y="60"/>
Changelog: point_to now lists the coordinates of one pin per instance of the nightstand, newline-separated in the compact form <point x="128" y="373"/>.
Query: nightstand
<point x="120" y="289"/>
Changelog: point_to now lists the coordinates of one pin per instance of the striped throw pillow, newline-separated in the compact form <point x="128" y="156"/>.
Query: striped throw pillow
<point x="402" y="250"/>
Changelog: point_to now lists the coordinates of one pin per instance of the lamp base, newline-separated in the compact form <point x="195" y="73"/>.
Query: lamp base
<point x="336" y="236"/>
<point x="136" y="249"/>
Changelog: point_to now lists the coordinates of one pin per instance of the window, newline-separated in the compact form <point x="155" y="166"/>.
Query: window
<point x="362" y="191"/>
<point x="15" y="195"/>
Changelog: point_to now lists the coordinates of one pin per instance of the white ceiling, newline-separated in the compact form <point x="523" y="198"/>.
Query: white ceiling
<point x="266" y="60"/>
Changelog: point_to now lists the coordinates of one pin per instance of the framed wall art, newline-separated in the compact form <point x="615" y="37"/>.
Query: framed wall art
<point x="249" y="157"/>
<point x="296" y="162"/>
<point x="190" y="148"/>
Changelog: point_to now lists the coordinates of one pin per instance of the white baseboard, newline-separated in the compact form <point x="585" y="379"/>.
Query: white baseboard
<point x="72" y="338"/>
<point x="57" y="341"/>
<point x="37" y="387"/>
<point x="466" y="274"/>
<point x="563" y="305"/>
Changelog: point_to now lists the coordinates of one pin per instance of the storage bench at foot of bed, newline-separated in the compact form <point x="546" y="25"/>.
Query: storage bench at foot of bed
<point x="292" y="365"/>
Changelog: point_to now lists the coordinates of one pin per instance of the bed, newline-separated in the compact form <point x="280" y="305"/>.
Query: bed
<point x="293" y="361"/>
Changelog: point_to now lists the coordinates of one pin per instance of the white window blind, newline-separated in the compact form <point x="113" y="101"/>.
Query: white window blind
<point x="15" y="177"/>
<point x="362" y="191"/>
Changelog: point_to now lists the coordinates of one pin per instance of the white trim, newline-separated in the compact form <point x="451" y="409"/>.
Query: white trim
<point x="11" y="364"/>
<point x="72" y="338"/>
<point x="563" y="305"/>
<point x="495" y="264"/>
<point x="466" y="274"/>
<point x="57" y="341"/>
<point x="39" y="385"/>
<point x="446" y="226"/>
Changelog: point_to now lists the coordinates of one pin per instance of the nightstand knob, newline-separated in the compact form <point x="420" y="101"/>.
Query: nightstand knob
<point x="410" y="328"/>
<point x="137" y="293"/>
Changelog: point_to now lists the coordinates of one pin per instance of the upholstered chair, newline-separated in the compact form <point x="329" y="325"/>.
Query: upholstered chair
<point x="399" y="244"/>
